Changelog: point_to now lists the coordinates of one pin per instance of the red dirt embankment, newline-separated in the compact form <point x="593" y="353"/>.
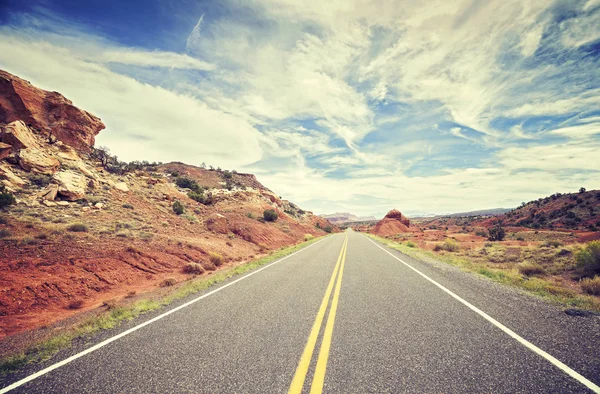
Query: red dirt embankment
<point x="82" y="234"/>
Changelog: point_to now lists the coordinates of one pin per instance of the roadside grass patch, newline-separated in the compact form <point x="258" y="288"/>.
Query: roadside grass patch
<point x="529" y="269"/>
<point x="508" y="273"/>
<point x="46" y="349"/>
<point x="591" y="285"/>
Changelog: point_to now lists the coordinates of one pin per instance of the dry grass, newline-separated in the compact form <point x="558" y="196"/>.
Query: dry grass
<point x="530" y="269"/>
<point x="591" y="285"/>
<point x="193" y="268"/>
<point x="215" y="259"/>
<point x="168" y="282"/>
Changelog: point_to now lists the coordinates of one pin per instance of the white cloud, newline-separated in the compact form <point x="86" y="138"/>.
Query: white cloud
<point x="143" y="121"/>
<point x="153" y="59"/>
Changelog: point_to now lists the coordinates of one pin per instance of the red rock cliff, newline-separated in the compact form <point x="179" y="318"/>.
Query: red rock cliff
<point x="47" y="113"/>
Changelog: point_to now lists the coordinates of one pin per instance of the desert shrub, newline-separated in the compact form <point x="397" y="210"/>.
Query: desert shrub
<point x="168" y="282"/>
<point x="3" y="220"/>
<point x="4" y="233"/>
<point x="520" y="238"/>
<point x="188" y="183"/>
<point x="193" y="268"/>
<point x="270" y="215"/>
<point x="411" y="244"/>
<point x="128" y="206"/>
<point x="588" y="259"/>
<point x="481" y="233"/>
<point x="591" y="285"/>
<point x="199" y="197"/>
<point x="215" y="258"/>
<point x="6" y="197"/>
<point x="437" y="247"/>
<point x="496" y="233"/>
<point x="75" y="304"/>
<point x="250" y="215"/>
<point x="229" y="243"/>
<point x="528" y="269"/>
<point x="40" y="180"/>
<point x="263" y="247"/>
<point x="308" y="237"/>
<point x="328" y="229"/>
<point x="207" y="265"/>
<point x="178" y="207"/>
<point x="553" y="244"/>
<point x="77" y="228"/>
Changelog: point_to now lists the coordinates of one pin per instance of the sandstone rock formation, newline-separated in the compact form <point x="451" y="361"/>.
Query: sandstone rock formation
<point x="393" y="223"/>
<point x="71" y="186"/>
<point x="36" y="160"/>
<point x="18" y="135"/>
<point x="49" y="113"/>
<point x="5" y="150"/>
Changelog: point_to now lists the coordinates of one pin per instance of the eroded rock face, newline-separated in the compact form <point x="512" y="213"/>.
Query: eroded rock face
<point x="71" y="186"/>
<point x="393" y="223"/>
<point x="396" y="214"/>
<point x="35" y="160"/>
<point x="217" y="223"/>
<point x="49" y="113"/>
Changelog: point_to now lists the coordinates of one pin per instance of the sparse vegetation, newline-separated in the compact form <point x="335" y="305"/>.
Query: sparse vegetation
<point x="6" y="197"/>
<point x="5" y="233"/>
<point x="178" y="207"/>
<point x="588" y="259"/>
<point x="529" y="269"/>
<point x="77" y="228"/>
<point x="250" y="215"/>
<point x="308" y="237"/>
<point x="40" y="180"/>
<point x="168" y="282"/>
<point x="328" y="229"/>
<point x="449" y="245"/>
<point x="270" y="215"/>
<point x="215" y="258"/>
<point x="193" y="268"/>
<point x="496" y="233"/>
<point x="75" y="304"/>
<point x="591" y="285"/>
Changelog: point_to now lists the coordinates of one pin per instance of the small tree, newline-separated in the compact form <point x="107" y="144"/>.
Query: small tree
<point x="178" y="207"/>
<point x="588" y="259"/>
<point x="6" y="197"/>
<point x="582" y="190"/>
<point x="270" y="215"/>
<point x="496" y="233"/>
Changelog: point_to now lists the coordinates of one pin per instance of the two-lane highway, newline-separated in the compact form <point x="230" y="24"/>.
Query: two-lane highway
<point x="345" y="315"/>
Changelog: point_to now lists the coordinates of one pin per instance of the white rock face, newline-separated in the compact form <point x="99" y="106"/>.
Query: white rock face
<point x="71" y="186"/>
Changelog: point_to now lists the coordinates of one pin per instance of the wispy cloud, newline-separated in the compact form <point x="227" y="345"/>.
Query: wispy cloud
<point x="347" y="105"/>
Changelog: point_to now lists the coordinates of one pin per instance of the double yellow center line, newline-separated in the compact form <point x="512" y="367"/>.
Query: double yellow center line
<point x="303" y="365"/>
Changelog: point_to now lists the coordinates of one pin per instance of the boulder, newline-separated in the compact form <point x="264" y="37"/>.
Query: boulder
<point x="34" y="160"/>
<point x="5" y="150"/>
<point x="49" y="203"/>
<point x="122" y="186"/>
<point x="62" y="203"/>
<point x="71" y="186"/>
<point x="99" y="205"/>
<point x="18" y="135"/>
<point x="48" y="112"/>
<point x="50" y="192"/>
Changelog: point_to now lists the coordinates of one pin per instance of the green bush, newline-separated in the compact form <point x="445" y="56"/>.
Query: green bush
<point x="588" y="259"/>
<point x="449" y="245"/>
<point x="199" y="197"/>
<point x="529" y="269"/>
<point x="496" y="233"/>
<point x="6" y="197"/>
<point x="178" y="207"/>
<point x="188" y="183"/>
<point x="270" y="215"/>
<point x="215" y="258"/>
<point x="250" y="215"/>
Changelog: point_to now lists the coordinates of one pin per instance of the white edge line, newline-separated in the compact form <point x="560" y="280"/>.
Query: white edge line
<point x="553" y="360"/>
<point x="124" y="333"/>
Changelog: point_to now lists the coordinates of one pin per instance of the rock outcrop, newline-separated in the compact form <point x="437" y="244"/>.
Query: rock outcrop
<point x="36" y="160"/>
<point x="52" y="115"/>
<point x="71" y="186"/>
<point x="18" y="135"/>
<point x="393" y="223"/>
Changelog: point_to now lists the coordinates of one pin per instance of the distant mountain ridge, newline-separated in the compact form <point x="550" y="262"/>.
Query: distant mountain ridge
<point x="481" y="212"/>
<point x="346" y="217"/>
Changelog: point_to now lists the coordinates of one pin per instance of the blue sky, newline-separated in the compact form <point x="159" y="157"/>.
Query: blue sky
<point x="360" y="106"/>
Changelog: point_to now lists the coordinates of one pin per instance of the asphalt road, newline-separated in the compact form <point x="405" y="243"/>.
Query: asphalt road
<point x="342" y="316"/>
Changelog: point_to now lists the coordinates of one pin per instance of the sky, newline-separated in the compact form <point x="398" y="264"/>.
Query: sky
<point x="340" y="106"/>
